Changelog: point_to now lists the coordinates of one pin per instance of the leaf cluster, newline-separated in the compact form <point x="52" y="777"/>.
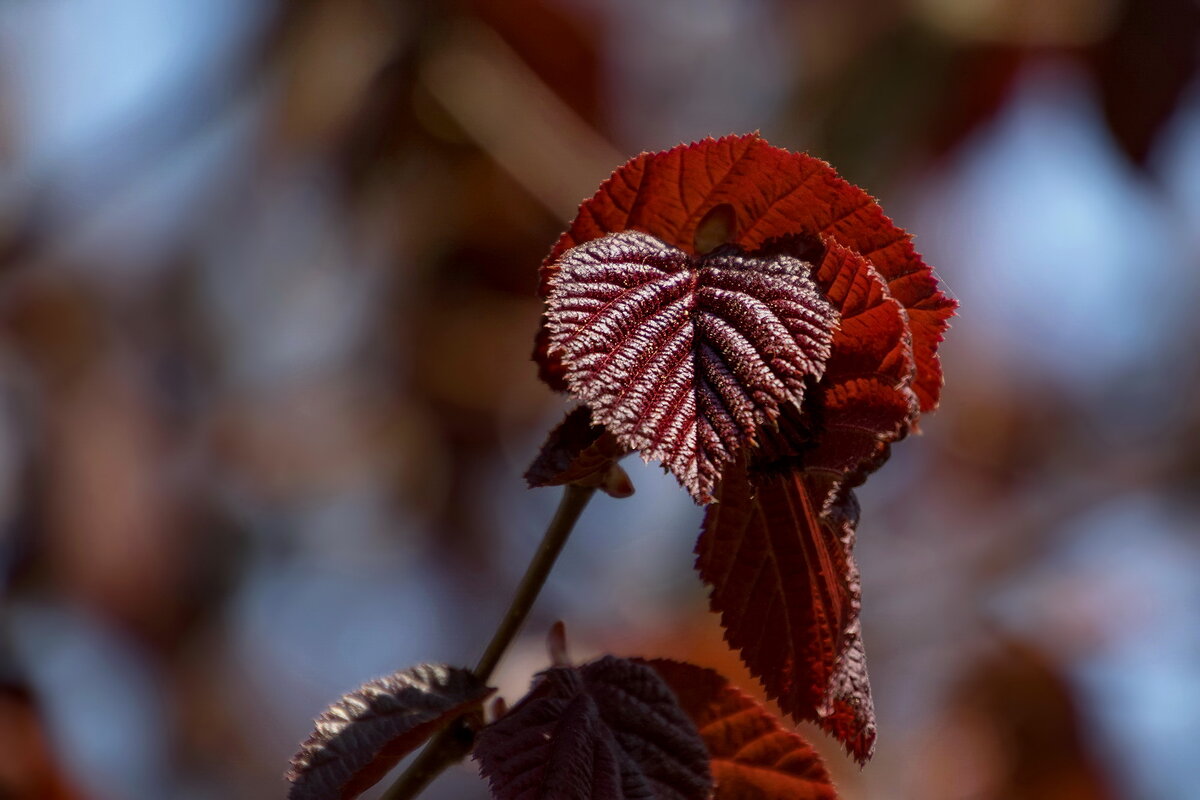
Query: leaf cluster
<point x="756" y="324"/>
<point x="614" y="728"/>
<point x="745" y="317"/>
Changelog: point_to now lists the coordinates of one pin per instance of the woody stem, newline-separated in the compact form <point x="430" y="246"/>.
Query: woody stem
<point x="452" y="743"/>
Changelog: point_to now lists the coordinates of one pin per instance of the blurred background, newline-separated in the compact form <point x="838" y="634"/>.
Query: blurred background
<point x="267" y="277"/>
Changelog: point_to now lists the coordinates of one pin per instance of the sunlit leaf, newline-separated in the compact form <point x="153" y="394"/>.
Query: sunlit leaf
<point x="771" y="193"/>
<point x="752" y="756"/>
<point x="684" y="358"/>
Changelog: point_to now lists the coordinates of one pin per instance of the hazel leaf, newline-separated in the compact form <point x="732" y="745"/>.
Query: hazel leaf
<point x="358" y="739"/>
<point x="609" y="730"/>
<point x="683" y="358"/>
<point x="581" y="453"/>
<point x="776" y="547"/>
<point x="751" y="754"/>
<point x="783" y="579"/>
<point x="772" y="193"/>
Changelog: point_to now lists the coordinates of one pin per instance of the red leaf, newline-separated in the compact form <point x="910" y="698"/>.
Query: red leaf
<point x="873" y="337"/>
<point x="578" y="452"/>
<point x="773" y="193"/>
<point x="776" y="552"/>
<point x="752" y="756"/>
<point x="864" y="402"/>
<point x="685" y="358"/>
<point x="776" y="548"/>
<point x="675" y="254"/>
<point x="609" y="730"/>
<point x="362" y="736"/>
<point x="861" y="418"/>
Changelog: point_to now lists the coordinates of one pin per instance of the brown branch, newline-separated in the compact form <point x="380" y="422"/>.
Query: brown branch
<point x="451" y="744"/>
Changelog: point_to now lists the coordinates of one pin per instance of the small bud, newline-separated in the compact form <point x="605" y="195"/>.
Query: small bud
<point x="616" y="482"/>
<point x="556" y="644"/>
<point x="499" y="707"/>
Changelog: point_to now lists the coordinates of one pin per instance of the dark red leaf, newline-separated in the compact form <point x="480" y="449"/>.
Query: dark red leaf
<point x="861" y="418"/>
<point x="581" y="453"/>
<point x="776" y="548"/>
<point x="752" y="756"/>
<point x="772" y="193"/>
<point x="609" y="730"/>
<point x="784" y="517"/>
<point x="362" y="736"/>
<point x="685" y="358"/>
<point x="850" y="712"/>
<point x="776" y="552"/>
